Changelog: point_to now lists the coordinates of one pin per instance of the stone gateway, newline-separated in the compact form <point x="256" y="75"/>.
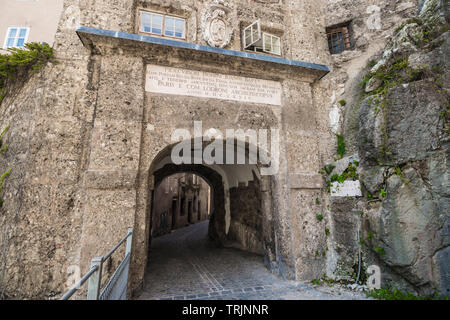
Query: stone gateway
<point x="90" y="141"/>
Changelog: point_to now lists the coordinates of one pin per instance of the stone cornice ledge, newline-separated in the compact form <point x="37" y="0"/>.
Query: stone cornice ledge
<point x="86" y="33"/>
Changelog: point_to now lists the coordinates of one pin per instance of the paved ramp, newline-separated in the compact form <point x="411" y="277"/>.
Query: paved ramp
<point x="184" y="265"/>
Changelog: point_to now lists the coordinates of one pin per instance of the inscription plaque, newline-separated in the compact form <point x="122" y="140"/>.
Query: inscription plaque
<point x="346" y="189"/>
<point x="177" y="81"/>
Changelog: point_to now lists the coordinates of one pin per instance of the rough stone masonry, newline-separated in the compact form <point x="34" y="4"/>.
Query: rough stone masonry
<point x="88" y="142"/>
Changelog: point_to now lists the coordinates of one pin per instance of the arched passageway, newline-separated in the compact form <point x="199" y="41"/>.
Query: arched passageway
<point x="237" y="206"/>
<point x="235" y="221"/>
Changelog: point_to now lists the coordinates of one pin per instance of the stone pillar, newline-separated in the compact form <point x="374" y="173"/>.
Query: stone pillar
<point x="304" y="183"/>
<point x="111" y="180"/>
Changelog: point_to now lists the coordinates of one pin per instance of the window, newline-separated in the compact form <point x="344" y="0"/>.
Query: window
<point x="151" y="23"/>
<point x="174" y="27"/>
<point x="252" y="34"/>
<point x="339" y="39"/>
<point x="167" y="185"/>
<point x="255" y="40"/>
<point x="271" y="44"/>
<point x="16" y="37"/>
<point x="162" y="25"/>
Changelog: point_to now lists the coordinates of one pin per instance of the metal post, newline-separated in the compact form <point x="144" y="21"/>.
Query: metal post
<point x="95" y="280"/>
<point x="129" y="241"/>
<point x="128" y="252"/>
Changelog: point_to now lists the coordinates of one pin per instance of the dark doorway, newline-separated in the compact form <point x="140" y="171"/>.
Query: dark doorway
<point x="182" y="207"/>
<point x="174" y="213"/>
<point x="190" y="220"/>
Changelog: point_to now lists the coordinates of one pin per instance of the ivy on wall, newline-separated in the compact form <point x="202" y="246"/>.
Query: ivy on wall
<point x="16" y="66"/>
<point x="19" y="63"/>
<point x="3" y="148"/>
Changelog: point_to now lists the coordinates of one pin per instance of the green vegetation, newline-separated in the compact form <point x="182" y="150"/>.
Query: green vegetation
<point x="371" y="64"/>
<point x="319" y="217"/>
<point x="396" y="294"/>
<point x="327" y="232"/>
<point x="340" y="145"/>
<point x="20" y="63"/>
<point x="342" y="102"/>
<point x="382" y="193"/>
<point x="3" y="148"/>
<point x="324" y="280"/>
<point x="446" y="117"/>
<point x="380" y="251"/>
<point x="315" y="282"/>
<point x="349" y="173"/>
<point x="430" y="33"/>
<point x="399" y="172"/>
<point x="390" y="76"/>
<point x="317" y="201"/>
<point x="327" y="169"/>
<point x="409" y="21"/>
<point x="2" y="183"/>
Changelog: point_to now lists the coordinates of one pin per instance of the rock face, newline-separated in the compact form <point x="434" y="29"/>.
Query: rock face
<point x="370" y="24"/>
<point x="412" y="124"/>
<point x="409" y="225"/>
<point x="404" y="151"/>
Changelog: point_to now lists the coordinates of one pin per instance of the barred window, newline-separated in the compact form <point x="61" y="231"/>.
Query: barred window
<point x="338" y="39"/>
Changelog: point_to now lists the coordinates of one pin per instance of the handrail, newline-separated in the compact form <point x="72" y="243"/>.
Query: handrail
<point x="96" y="269"/>
<point x="109" y="254"/>
<point x="74" y="289"/>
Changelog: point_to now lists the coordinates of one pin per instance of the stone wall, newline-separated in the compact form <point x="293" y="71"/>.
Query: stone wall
<point x="246" y="216"/>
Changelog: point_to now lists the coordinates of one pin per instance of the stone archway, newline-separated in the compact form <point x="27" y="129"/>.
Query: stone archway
<point x="235" y="221"/>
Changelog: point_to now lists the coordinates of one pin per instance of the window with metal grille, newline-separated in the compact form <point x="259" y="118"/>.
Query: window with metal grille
<point x="338" y="39"/>
<point x="163" y="25"/>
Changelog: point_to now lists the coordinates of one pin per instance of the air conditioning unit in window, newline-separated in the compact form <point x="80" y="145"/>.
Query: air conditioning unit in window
<point x="258" y="41"/>
<point x="252" y="37"/>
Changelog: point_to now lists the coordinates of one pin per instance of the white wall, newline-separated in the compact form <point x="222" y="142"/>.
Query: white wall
<point x="41" y="16"/>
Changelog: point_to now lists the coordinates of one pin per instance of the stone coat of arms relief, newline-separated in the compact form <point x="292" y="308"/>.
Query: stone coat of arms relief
<point x="216" y="24"/>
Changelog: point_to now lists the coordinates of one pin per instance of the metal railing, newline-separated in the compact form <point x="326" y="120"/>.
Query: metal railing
<point x="116" y="287"/>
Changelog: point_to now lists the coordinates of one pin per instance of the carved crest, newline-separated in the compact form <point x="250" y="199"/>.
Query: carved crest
<point x="216" y="24"/>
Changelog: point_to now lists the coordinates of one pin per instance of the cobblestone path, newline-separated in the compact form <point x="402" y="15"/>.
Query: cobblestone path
<point x="184" y="265"/>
